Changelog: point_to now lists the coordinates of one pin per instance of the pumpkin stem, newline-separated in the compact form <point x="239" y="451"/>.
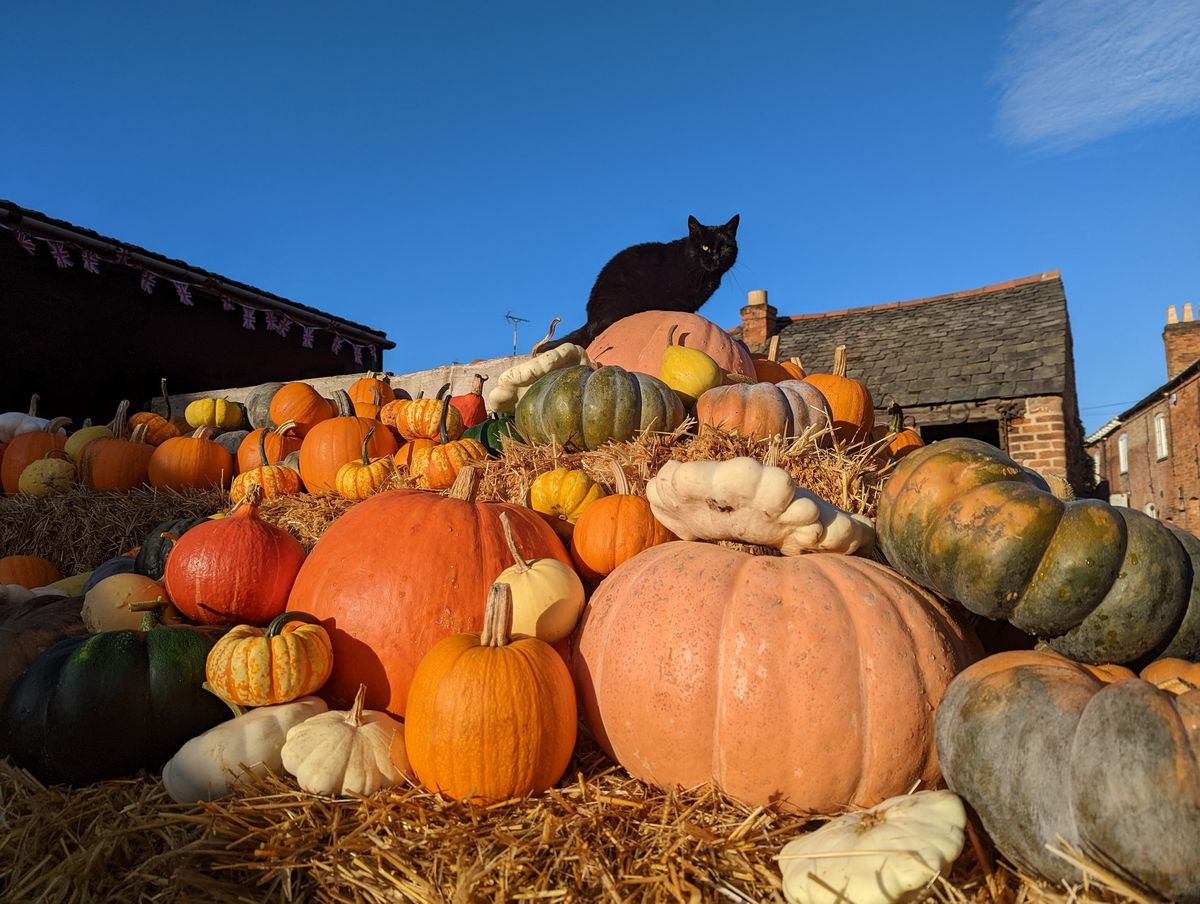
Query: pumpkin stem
<point x="671" y="334"/>
<point x="33" y="400"/>
<point x="341" y="401"/>
<point x="620" y="479"/>
<point x="477" y="384"/>
<point x="277" y="623"/>
<point x="56" y="424"/>
<point x="262" y="448"/>
<point x="1176" y="685"/>
<point x="152" y="616"/>
<point x="773" y="349"/>
<point x="839" y="361"/>
<point x="139" y="433"/>
<point x="442" y="393"/>
<point x="445" y="438"/>
<point x="367" y="441"/>
<point x="466" y="484"/>
<point x="518" y="560"/>
<point x="118" y="422"/>
<point x="796" y="360"/>
<point x="549" y="335"/>
<point x="497" y="617"/>
<point x="203" y="433"/>
<point x="285" y="427"/>
<point x="87" y="422"/>
<point x="166" y="398"/>
<point x="897" y="414"/>
<point x="355" y="715"/>
<point x="237" y="710"/>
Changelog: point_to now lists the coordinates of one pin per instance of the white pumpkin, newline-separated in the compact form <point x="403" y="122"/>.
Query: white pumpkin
<point x="15" y="593"/>
<point x="339" y="753"/>
<point x="209" y="765"/>
<point x="108" y="606"/>
<point x="889" y="853"/>
<point x="749" y="502"/>
<point x="513" y="383"/>
<point x="14" y="423"/>
<point x="547" y="595"/>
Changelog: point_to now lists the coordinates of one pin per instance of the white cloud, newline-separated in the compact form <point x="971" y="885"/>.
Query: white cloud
<point x="1077" y="70"/>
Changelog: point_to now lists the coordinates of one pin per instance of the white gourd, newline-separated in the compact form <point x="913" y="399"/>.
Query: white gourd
<point x="15" y="593"/>
<point x="338" y="752"/>
<point x="892" y="852"/>
<point x="14" y="423"/>
<point x="209" y="765"/>
<point x="749" y="502"/>
<point x="513" y="383"/>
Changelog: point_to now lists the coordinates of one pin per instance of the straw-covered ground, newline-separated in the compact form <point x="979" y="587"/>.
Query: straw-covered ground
<point x="598" y="836"/>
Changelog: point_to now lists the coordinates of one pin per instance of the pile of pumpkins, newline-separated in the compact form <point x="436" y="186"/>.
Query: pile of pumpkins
<point x="456" y="640"/>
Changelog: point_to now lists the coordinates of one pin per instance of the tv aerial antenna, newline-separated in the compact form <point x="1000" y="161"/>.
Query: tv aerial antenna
<point x="514" y="320"/>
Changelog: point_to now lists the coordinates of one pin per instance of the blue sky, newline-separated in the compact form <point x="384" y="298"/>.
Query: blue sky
<point x="426" y="168"/>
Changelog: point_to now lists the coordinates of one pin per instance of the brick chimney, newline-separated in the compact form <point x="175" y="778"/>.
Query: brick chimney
<point x="758" y="320"/>
<point x="1181" y="339"/>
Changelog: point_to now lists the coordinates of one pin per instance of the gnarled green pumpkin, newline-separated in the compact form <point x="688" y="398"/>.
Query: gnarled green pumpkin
<point x="1098" y="583"/>
<point x="493" y="433"/>
<point x="580" y="408"/>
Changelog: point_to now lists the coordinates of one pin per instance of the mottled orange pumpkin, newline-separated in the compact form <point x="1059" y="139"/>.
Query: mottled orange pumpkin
<point x="849" y="400"/>
<point x="423" y="418"/>
<point x="290" y="658"/>
<point x="272" y="479"/>
<point x="191" y="461"/>
<point x="301" y="403"/>
<point x="25" y="449"/>
<point x="490" y="716"/>
<point x="404" y="456"/>
<point x="333" y="442"/>
<point x="29" y="571"/>
<point x="809" y="681"/>
<point x="436" y="467"/>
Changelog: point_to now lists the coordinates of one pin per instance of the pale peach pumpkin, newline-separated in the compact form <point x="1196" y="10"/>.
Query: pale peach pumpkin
<point x="763" y="410"/>
<point x="811" y="680"/>
<point x="636" y="342"/>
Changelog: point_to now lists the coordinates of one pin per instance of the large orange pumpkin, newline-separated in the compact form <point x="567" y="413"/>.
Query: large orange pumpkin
<point x="300" y="402"/>
<point x="636" y="343"/>
<point x="28" y="571"/>
<point x="336" y="441"/>
<point x="400" y="571"/>
<point x="849" y="400"/>
<point x="811" y="680"/>
<point x="24" y="450"/>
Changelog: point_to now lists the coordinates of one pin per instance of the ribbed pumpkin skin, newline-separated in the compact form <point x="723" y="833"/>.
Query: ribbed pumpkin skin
<point x="234" y="570"/>
<point x="1098" y="583"/>
<point x="421" y="419"/>
<point x="277" y="447"/>
<point x="561" y="496"/>
<point x="809" y="679"/>
<point x="851" y="405"/>
<point x="361" y="390"/>
<point x="763" y="410"/>
<point x="22" y="451"/>
<point x="258" y="405"/>
<point x="768" y="371"/>
<point x="490" y="723"/>
<point x="117" y="465"/>
<point x="406" y="453"/>
<point x="396" y="574"/>
<point x="251" y="666"/>
<point x="29" y="571"/>
<point x="332" y="443"/>
<point x="636" y="342"/>
<point x="275" y="480"/>
<point x="190" y="461"/>
<point x="104" y="705"/>
<point x="581" y="409"/>
<point x="437" y="466"/>
<point x="356" y="480"/>
<point x="1041" y="747"/>
<point x="301" y="403"/>
<point x="158" y="428"/>
<point x="612" y="530"/>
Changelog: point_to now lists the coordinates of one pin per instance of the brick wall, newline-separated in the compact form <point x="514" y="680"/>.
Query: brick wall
<point x="1038" y="438"/>
<point x="1181" y="340"/>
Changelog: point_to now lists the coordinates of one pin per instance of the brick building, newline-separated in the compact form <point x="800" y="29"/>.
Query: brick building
<point x="1148" y="457"/>
<point x="93" y="320"/>
<point x="994" y="363"/>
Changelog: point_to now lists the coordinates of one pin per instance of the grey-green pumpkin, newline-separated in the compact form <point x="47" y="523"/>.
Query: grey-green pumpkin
<point x="258" y="405"/>
<point x="582" y="409"/>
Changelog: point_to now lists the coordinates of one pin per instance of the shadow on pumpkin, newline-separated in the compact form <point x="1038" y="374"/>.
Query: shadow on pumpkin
<point x="367" y="669"/>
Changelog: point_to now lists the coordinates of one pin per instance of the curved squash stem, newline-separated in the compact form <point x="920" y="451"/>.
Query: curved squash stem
<point x="522" y="566"/>
<point x="354" y="717"/>
<point x="442" y="422"/>
<point x="497" y="617"/>
<point x="166" y="398"/>
<point x="262" y="449"/>
<point x="33" y="400"/>
<point x="671" y="334"/>
<point x="139" y="434"/>
<point x="366" y="442"/>
<point x="117" y="427"/>
<point x="237" y="710"/>
<point x="839" y="361"/>
<point x="477" y="384"/>
<point x="341" y="400"/>
<point x="620" y="480"/>
<point x="55" y="424"/>
<point x="549" y="335"/>
<point x="285" y="427"/>
<point x="897" y="417"/>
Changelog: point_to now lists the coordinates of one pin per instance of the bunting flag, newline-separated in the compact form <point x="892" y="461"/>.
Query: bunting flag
<point x="274" y="320"/>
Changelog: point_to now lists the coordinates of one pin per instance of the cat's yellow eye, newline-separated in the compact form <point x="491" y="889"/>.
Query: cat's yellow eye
<point x="703" y="247"/>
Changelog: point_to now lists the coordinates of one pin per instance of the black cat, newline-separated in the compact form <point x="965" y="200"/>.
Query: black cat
<point x="659" y="276"/>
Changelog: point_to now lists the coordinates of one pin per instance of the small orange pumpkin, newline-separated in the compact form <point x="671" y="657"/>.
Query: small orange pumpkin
<point x="613" y="529"/>
<point x="28" y="571"/>
<point x="436" y="467"/>
<point x="490" y="716"/>
<point x="159" y="429"/>
<point x="251" y="666"/>
<point x="849" y="400"/>
<point x="272" y="479"/>
<point x="191" y="461"/>
<point x="374" y="389"/>
<point x="470" y="404"/>
<point x="359" y="479"/>
<point x="332" y="443"/>
<point x="769" y="369"/>
<point x="404" y="457"/>
<point x="898" y="440"/>
<point x="301" y="403"/>
<point x="117" y="464"/>
<point x="24" y="450"/>
<point x="277" y="444"/>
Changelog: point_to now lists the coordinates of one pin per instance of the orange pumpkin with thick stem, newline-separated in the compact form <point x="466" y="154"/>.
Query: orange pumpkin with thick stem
<point x="613" y="529"/>
<point x="24" y="450"/>
<point x="159" y="429"/>
<point x="233" y="570"/>
<point x="401" y="570"/>
<point x="290" y="658"/>
<point x="272" y="479"/>
<point x="490" y="716"/>
<point x="636" y="343"/>
<point x="437" y="466"/>
<point x="470" y="404"/>
<point x="301" y="403"/>
<point x="422" y="419"/>
<point x="117" y="464"/>
<point x="29" y="571"/>
<point x="682" y="651"/>
<point x="332" y="443"/>
<point x="359" y="479"/>
<point x="372" y="389"/>
<point x="769" y="369"/>
<point x="183" y="462"/>
<point x="849" y="400"/>
<point x="277" y="444"/>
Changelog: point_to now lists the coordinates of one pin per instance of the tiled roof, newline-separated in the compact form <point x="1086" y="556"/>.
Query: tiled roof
<point x="1004" y="341"/>
<point x="17" y="211"/>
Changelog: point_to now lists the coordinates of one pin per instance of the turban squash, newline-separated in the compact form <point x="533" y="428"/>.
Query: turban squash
<point x="1098" y="583"/>
<point x="809" y="680"/>
<point x="1045" y="749"/>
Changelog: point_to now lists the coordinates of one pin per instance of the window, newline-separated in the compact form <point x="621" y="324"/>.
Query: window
<point x="1123" y="454"/>
<point x="1097" y="466"/>
<point x="1160" y="434"/>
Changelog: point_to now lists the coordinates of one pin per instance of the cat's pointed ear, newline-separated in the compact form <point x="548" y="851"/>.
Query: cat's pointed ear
<point x="732" y="225"/>
<point x="694" y="226"/>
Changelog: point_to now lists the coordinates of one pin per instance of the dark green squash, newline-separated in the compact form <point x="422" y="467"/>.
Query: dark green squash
<point x="493" y="433"/>
<point x="258" y="405"/>
<point x="582" y="409"/>
<point x="1045" y="749"/>
<point x="1097" y="583"/>
<point x="152" y="557"/>
<point x="104" y="705"/>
